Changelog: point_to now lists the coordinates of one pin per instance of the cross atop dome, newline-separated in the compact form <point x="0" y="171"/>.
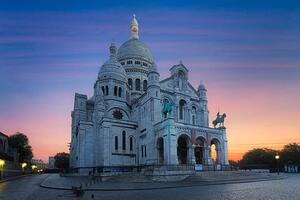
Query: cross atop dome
<point x="134" y="28"/>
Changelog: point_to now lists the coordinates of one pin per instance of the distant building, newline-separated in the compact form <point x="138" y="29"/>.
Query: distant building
<point x="5" y="151"/>
<point x="3" y="143"/>
<point x="51" y="162"/>
<point x="135" y="119"/>
<point x="9" y="158"/>
<point x="39" y="163"/>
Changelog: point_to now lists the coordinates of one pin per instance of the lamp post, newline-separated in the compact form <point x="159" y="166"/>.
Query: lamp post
<point x="2" y="163"/>
<point x="33" y="167"/>
<point x="277" y="160"/>
<point x="23" y="165"/>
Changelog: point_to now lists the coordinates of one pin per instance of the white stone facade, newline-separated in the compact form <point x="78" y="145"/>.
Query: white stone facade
<point x="122" y="124"/>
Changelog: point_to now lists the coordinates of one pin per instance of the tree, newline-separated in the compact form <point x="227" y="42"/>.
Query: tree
<point x="290" y="154"/>
<point x="260" y="157"/>
<point x="20" y="142"/>
<point x="233" y="163"/>
<point x="61" y="160"/>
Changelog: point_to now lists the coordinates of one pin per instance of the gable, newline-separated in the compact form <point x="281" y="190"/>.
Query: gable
<point x="168" y="85"/>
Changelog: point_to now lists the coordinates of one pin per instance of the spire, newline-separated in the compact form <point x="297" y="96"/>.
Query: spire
<point x="134" y="28"/>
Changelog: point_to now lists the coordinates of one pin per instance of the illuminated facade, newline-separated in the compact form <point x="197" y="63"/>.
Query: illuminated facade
<point x="124" y="122"/>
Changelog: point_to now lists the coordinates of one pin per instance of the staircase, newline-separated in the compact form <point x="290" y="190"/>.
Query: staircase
<point x="168" y="173"/>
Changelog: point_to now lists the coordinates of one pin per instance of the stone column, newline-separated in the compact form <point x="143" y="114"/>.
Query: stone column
<point x="191" y="153"/>
<point x="170" y="143"/>
<point x="188" y="114"/>
<point x="225" y="148"/>
<point x="204" y="154"/>
<point x="219" y="155"/>
<point x="208" y="155"/>
<point x="175" y="113"/>
<point x="106" y="146"/>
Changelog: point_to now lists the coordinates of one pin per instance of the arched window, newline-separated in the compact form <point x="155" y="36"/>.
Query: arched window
<point x="137" y="84"/>
<point x="145" y="85"/>
<point x="180" y="79"/>
<point x="106" y="90"/>
<point x="182" y="104"/>
<point x="116" y="143"/>
<point x="103" y="90"/>
<point x="120" y="92"/>
<point x="123" y="140"/>
<point x="116" y="91"/>
<point x="130" y="83"/>
<point x="131" y="143"/>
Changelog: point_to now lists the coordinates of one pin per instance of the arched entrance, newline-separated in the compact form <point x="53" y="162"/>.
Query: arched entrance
<point x="160" y="149"/>
<point x="182" y="149"/>
<point x="215" y="151"/>
<point x="199" y="150"/>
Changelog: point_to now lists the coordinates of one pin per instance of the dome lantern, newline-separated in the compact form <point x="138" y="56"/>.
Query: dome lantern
<point x="113" y="49"/>
<point x="134" y="28"/>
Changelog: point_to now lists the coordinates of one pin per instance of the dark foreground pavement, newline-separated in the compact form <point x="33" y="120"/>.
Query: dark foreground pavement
<point x="28" y="188"/>
<point x="134" y="181"/>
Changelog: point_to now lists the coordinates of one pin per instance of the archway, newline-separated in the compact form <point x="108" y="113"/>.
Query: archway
<point x="182" y="149"/>
<point x="160" y="149"/>
<point x="199" y="150"/>
<point x="215" y="151"/>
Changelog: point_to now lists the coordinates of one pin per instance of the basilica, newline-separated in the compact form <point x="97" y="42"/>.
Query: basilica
<point x="135" y="119"/>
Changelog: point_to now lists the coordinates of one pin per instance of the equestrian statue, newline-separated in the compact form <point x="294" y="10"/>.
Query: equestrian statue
<point x="219" y="120"/>
<point x="167" y="109"/>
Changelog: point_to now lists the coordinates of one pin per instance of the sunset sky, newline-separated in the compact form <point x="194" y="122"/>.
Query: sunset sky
<point x="247" y="53"/>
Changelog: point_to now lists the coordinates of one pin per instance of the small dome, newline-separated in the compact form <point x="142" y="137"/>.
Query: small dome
<point x="153" y="68"/>
<point x="134" y="48"/>
<point x="201" y="86"/>
<point x="112" y="68"/>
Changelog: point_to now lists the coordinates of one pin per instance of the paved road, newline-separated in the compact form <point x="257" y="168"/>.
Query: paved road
<point x="27" y="188"/>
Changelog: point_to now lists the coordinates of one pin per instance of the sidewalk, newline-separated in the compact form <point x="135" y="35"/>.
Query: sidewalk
<point x="124" y="183"/>
<point x="14" y="178"/>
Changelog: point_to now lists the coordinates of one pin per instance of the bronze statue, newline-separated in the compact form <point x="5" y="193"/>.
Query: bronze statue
<point x="219" y="120"/>
<point x="167" y="109"/>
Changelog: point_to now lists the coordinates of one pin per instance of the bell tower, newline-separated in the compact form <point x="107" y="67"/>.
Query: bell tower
<point x="203" y="105"/>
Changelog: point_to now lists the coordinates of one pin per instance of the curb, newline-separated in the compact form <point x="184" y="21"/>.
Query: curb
<point x="172" y="186"/>
<point x="15" y="177"/>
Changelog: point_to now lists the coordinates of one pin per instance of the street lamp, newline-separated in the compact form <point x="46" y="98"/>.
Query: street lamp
<point x="23" y="165"/>
<point x="2" y="163"/>
<point x="277" y="160"/>
<point x="33" y="167"/>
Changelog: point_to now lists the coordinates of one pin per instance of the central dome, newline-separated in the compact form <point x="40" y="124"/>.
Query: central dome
<point x="134" y="48"/>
